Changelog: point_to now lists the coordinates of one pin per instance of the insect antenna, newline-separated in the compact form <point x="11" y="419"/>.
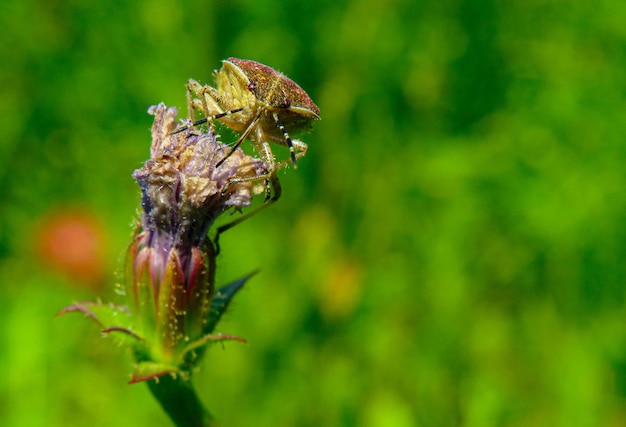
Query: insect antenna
<point x="292" y="151"/>
<point x="243" y="136"/>
<point x="206" y="119"/>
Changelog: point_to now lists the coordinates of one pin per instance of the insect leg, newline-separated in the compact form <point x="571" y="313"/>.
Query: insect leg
<point x="287" y="162"/>
<point x="209" y="103"/>
<point x="192" y="87"/>
<point x="277" y="191"/>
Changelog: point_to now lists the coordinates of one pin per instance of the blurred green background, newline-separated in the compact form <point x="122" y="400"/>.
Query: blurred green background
<point x="450" y="251"/>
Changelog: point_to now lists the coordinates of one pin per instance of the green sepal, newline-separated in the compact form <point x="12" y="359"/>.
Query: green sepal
<point x="195" y="350"/>
<point x="110" y="318"/>
<point x="221" y="300"/>
<point x="171" y="306"/>
<point x="146" y="371"/>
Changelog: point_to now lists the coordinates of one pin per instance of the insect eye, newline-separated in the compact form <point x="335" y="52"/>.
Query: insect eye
<point x="251" y="86"/>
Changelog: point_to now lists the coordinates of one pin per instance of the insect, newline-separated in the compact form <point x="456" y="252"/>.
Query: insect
<point x="260" y="104"/>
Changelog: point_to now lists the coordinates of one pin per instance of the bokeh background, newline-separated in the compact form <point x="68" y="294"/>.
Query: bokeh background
<point x="450" y="251"/>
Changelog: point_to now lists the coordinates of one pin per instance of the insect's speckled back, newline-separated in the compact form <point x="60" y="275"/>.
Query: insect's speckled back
<point x="273" y="87"/>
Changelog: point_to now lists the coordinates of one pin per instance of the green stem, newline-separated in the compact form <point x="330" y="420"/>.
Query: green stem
<point x="180" y="401"/>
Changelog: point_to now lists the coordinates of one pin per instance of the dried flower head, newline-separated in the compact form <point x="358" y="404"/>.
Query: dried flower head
<point x="184" y="190"/>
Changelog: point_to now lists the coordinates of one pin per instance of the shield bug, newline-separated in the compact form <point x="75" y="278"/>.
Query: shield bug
<point x="260" y="104"/>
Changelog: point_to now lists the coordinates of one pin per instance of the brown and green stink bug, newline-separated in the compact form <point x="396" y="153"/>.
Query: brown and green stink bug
<point x="261" y="104"/>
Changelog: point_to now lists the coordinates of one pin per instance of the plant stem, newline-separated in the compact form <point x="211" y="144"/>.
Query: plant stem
<point x="180" y="401"/>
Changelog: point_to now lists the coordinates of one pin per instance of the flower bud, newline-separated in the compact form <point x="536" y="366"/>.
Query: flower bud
<point x="169" y="270"/>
